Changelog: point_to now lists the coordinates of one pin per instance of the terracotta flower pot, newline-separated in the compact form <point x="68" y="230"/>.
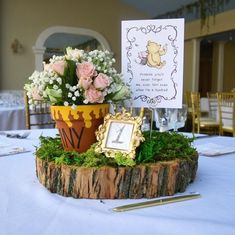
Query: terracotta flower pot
<point x="77" y="126"/>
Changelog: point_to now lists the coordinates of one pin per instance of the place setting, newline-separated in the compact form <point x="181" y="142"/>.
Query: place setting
<point x="7" y="148"/>
<point x="214" y="149"/>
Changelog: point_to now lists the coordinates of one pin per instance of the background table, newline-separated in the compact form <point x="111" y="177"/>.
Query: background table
<point x="12" y="118"/>
<point x="12" y="114"/>
<point x="27" y="208"/>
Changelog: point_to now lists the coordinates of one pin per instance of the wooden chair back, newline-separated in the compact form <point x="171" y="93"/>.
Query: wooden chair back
<point x="188" y="100"/>
<point x="199" y="123"/>
<point x="196" y="112"/>
<point x="213" y="104"/>
<point x="37" y="114"/>
<point x="227" y="112"/>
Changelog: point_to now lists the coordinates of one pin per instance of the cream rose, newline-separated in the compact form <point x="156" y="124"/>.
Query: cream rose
<point x="92" y="95"/>
<point x="54" y="95"/>
<point x="73" y="53"/>
<point x="101" y="81"/>
<point x="123" y="91"/>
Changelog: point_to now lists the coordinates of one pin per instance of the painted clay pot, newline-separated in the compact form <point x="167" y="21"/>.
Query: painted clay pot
<point x="77" y="126"/>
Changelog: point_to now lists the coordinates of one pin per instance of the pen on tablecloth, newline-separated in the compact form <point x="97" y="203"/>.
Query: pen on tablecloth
<point x="157" y="202"/>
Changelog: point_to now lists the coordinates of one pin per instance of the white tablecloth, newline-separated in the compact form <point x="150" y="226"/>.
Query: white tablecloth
<point x="27" y="208"/>
<point x="12" y="118"/>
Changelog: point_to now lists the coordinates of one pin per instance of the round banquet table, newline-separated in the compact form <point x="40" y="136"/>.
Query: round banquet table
<point x="12" y="118"/>
<point x="28" y="208"/>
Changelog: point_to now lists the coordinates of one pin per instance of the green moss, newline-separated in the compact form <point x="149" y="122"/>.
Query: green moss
<point x="161" y="147"/>
<point x="122" y="160"/>
<point x="164" y="146"/>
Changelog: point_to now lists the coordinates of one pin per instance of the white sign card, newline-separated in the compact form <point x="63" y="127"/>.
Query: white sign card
<point x="152" y="61"/>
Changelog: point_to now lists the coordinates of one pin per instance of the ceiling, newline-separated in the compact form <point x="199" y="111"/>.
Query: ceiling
<point x="155" y="8"/>
<point x="152" y="8"/>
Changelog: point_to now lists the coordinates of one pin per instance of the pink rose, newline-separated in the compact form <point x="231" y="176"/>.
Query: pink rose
<point x="93" y="95"/>
<point x="59" y="67"/>
<point x="85" y="82"/>
<point x="101" y="81"/>
<point x="36" y="94"/>
<point x="85" y="70"/>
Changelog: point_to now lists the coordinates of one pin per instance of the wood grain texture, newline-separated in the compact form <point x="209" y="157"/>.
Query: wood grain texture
<point x="141" y="181"/>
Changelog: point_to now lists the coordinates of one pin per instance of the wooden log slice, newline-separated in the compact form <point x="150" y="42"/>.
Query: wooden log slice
<point x="142" y="181"/>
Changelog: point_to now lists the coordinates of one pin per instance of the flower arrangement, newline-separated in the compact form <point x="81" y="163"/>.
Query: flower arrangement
<point x="76" y="78"/>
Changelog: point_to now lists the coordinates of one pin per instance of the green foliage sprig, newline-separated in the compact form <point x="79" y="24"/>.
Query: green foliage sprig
<point x="160" y="147"/>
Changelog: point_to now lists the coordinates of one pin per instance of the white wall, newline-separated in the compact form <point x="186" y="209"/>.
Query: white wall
<point x="26" y="19"/>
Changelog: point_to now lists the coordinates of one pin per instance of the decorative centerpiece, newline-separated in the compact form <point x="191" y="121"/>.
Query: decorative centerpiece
<point x="79" y="86"/>
<point x="98" y="154"/>
<point x="163" y="165"/>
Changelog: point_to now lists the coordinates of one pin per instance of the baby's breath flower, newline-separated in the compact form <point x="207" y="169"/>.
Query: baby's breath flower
<point x="76" y="93"/>
<point x="71" y="88"/>
<point x="74" y="106"/>
<point x="59" y="80"/>
<point x="58" y="88"/>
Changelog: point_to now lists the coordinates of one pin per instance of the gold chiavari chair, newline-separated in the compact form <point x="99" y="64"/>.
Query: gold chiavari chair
<point x="202" y="124"/>
<point x="188" y="101"/>
<point x="213" y="105"/>
<point x="37" y="114"/>
<point x="227" y="112"/>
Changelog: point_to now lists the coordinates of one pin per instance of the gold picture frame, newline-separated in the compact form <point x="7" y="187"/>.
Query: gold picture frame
<point x="120" y="133"/>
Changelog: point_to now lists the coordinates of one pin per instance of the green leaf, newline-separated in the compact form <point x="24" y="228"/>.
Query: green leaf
<point x="70" y="73"/>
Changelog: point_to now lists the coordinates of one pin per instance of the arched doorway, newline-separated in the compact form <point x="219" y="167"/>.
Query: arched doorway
<point x="40" y="49"/>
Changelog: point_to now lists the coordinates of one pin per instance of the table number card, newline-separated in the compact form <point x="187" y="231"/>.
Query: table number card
<point x="152" y="61"/>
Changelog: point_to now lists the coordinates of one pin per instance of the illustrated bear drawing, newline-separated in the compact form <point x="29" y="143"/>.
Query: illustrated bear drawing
<point x="152" y="56"/>
<point x="155" y="51"/>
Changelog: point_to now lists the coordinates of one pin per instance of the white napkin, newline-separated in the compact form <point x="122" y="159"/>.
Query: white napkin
<point x="211" y="149"/>
<point x="7" y="149"/>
